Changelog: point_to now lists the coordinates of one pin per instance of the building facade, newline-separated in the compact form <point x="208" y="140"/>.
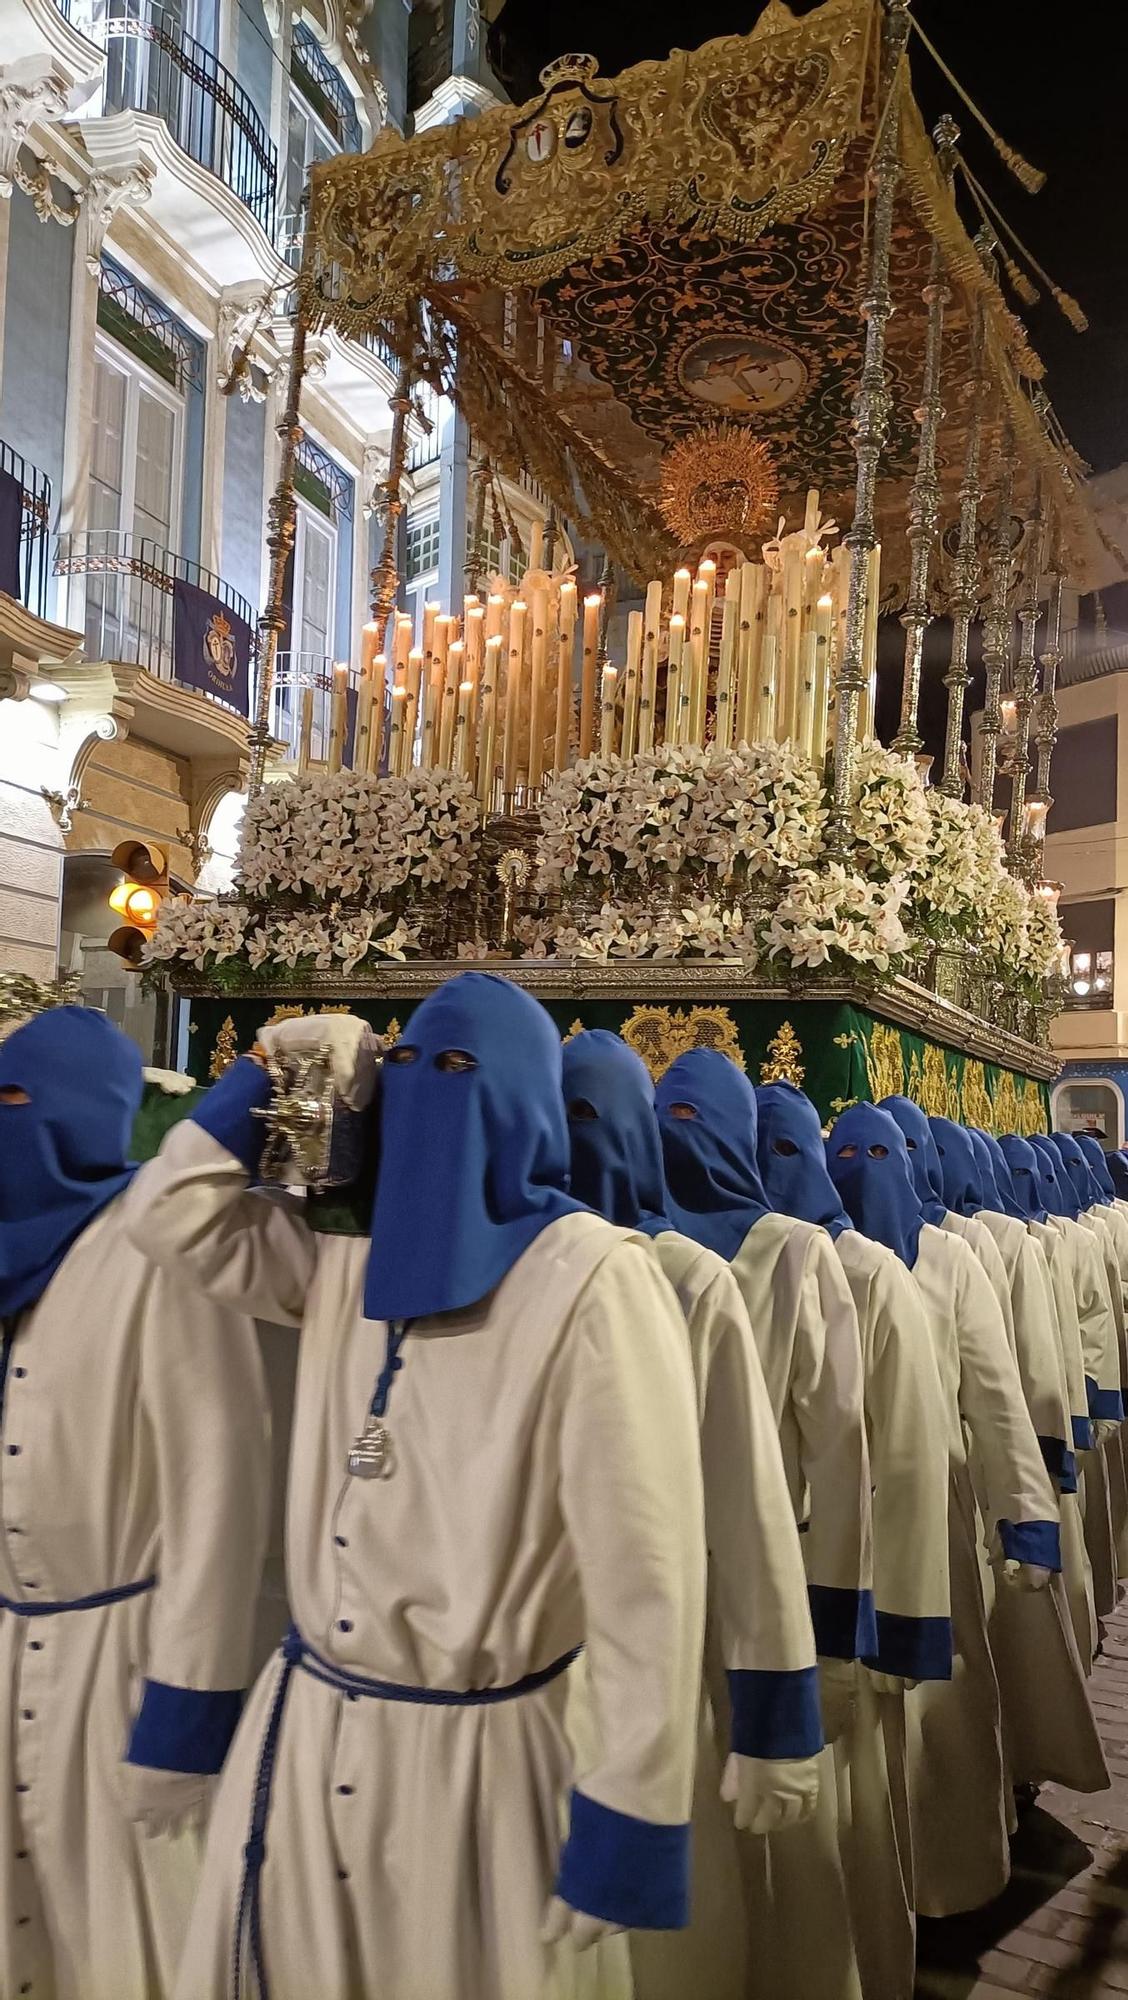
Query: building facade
<point x="153" y="160"/>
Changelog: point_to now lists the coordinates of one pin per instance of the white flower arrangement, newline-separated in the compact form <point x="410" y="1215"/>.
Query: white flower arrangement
<point x="889" y="821"/>
<point x="1041" y="947"/>
<point x="830" y="914"/>
<point x="352" y="834"/>
<point x="206" y="934"/>
<point x="964" y="861"/>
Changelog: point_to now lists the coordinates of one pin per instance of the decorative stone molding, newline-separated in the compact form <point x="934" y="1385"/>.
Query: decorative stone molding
<point x="127" y="187"/>
<point x="31" y="92"/>
<point x="14" y="685"/>
<point x="373" y="472"/>
<point x="62" y="806"/>
<point x="239" y="366"/>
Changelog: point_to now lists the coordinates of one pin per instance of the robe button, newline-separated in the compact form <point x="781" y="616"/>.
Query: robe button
<point x="13" y="1451"/>
<point x="23" y="1788"/>
<point x="35" y="1645"/>
<point x="341" y="1541"/>
<point x="346" y="1791"/>
<point x="344" y="1624"/>
<point x="19" y="1373"/>
<point x="342" y="1874"/>
<point x="21" y="1854"/>
<point x="26" y="1987"/>
<point x="28" y="1714"/>
<point x="22" y="1920"/>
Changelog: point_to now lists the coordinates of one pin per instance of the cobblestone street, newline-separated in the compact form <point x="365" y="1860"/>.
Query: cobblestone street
<point x="1061" y="1930"/>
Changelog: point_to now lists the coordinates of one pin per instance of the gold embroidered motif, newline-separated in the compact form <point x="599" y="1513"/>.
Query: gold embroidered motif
<point x="225" y="1052"/>
<point x="783" y="1064"/>
<point x="661" y="1034"/>
<point x="977" y="1107"/>
<point x="885" y="1062"/>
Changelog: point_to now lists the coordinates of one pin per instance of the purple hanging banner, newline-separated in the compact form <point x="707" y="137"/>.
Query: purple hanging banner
<point x="11" y="527"/>
<point x="212" y="648"/>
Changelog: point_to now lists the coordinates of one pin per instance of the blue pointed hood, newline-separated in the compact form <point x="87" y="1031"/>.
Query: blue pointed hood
<point x="960" y="1175"/>
<point x="1004" y="1180"/>
<point x="989" y="1189"/>
<point x="707" y="1116"/>
<point x="613" y="1127"/>
<point x="1025" y="1168"/>
<point x="868" y="1161"/>
<point x="1057" y="1190"/>
<point x="1117" y="1164"/>
<point x="924" y="1161"/>
<point x="792" y="1158"/>
<point x="1076" y="1169"/>
<point x="63" y="1153"/>
<point x="473" y="1161"/>
<point x="1098" y="1167"/>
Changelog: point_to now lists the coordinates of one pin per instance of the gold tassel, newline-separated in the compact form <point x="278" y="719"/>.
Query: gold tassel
<point x="1031" y="178"/>
<point x="1070" y="310"/>
<point x="1018" y="281"/>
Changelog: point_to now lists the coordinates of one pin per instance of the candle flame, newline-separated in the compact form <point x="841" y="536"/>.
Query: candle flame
<point x="826" y="602"/>
<point x="596" y="598"/>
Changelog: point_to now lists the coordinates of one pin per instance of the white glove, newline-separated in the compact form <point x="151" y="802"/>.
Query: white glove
<point x="173" y="1082"/>
<point x="562" y="1921"/>
<point x="838" y="1694"/>
<point x="1104" y="1427"/>
<point x="770" y="1794"/>
<point x="889" y="1683"/>
<point x="353" y="1050"/>
<point x="164" y="1801"/>
<point x="1024" y="1576"/>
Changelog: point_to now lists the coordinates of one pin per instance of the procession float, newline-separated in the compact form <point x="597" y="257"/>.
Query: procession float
<point x="744" y="321"/>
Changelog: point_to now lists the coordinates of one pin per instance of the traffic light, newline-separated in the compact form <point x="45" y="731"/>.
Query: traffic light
<point x="137" y="900"/>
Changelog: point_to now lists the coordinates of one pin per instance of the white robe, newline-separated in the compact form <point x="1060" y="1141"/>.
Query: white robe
<point x="1101" y="1364"/>
<point x="806" y="1329"/>
<point x="759" y="1620"/>
<point x="1077" y="1569"/>
<point x="545" y="1491"/>
<point x="957" y="1787"/>
<point x="135" y="1442"/>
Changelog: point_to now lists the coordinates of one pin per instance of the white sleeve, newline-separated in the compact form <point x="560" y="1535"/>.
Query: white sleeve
<point x="631" y="1496"/>
<point x="1038" y="1351"/>
<point x="1020" y="1500"/>
<point x="190" y="1210"/>
<point x="908" y="1450"/>
<point x="828" y="1403"/>
<point x="1098" y="1327"/>
<point x="756" y="1561"/>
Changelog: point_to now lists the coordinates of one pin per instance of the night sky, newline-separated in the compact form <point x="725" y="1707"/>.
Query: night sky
<point x="1047" y="79"/>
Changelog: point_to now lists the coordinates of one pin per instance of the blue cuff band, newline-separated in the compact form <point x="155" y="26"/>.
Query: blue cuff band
<point x="1037" y="1542"/>
<point x="1059" y="1463"/>
<point x="1082" y="1433"/>
<point x="184" y="1729"/>
<point x="774" y="1713"/>
<point x="916" y="1649"/>
<point x="844" y="1621"/>
<point x="1107" y="1404"/>
<point x="226" y="1112"/>
<point x="624" y="1870"/>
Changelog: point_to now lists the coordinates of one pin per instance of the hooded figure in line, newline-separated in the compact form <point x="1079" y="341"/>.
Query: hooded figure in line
<point x="951" y="1207"/>
<point x="495" y="1463"/>
<point x="134" y="1480"/>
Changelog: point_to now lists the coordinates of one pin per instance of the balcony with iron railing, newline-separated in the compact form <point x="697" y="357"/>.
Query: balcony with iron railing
<point x="119" y="591"/>
<point x="25" y="525"/>
<point x="153" y="66"/>
<point x="294" y="673"/>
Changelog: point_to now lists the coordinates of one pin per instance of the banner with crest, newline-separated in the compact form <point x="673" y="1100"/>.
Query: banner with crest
<point x="212" y="648"/>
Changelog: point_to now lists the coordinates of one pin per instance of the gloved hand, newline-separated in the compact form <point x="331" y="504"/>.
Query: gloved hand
<point x="838" y="1694"/>
<point x="164" y="1801"/>
<point x="1024" y="1576"/>
<point x="1104" y="1427"/>
<point x="770" y="1794"/>
<point x="562" y="1921"/>
<point x="889" y="1683"/>
<point x="352" y="1046"/>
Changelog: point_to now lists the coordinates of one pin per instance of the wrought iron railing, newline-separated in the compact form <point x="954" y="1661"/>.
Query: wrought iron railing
<point x="32" y="566"/>
<point x="120" y="593"/>
<point x="293" y="673"/>
<point x="152" y="65"/>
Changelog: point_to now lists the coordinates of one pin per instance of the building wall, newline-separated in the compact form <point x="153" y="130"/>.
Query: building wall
<point x="1091" y="863"/>
<point x="243" y="476"/>
<point x="255" y="56"/>
<point x="31" y="848"/>
<point x="36" y="336"/>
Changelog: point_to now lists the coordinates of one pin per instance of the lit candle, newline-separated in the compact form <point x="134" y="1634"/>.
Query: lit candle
<point x="674" y="678"/>
<point x="475" y="639"/>
<point x="487" y="745"/>
<point x="790" y="693"/>
<point x="415" y="682"/>
<point x="430" y="614"/>
<point x="369" y="646"/>
<point x="632" y="683"/>
<point x="698" y="661"/>
<point x="607" y="712"/>
<point x="305" y="740"/>
<point x="652" y="627"/>
<point x="401" y="645"/>
<point x="726" y="665"/>
<point x="770" y="718"/>
<point x="462" y="760"/>
<point x="749" y="645"/>
<point x="338" y="718"/>
<point x="397" y="734"/>
<point x="565" y="644"/>
<point x="450" y="705"/>
<point x="824" y="618"/>
<point x="707" y="574"/>
<point x="495" y="615"/>
<point x="592" y="607"/>
<point x="363" y="729"/>
<point x="517" y="615"/>
<point x="536" y="545"/>
<point x="682" y="582"/>
<point x="376" y="727"/>
<point x="538" y="689"/>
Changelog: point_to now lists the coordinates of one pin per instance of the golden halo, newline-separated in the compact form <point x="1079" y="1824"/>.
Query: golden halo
<point x="718" y="483"/>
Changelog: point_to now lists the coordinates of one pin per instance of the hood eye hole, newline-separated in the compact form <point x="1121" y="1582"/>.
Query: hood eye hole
<point x="940" y="1150"/>
<point x="581" y="1112"/>
<point x="13" y="1093"/>
<point x="878" y="1152"/>
<point x="402" y="1054"/>
<point x="683" y="1111"/>
<point x="787" y="1147"/>
<point x="911" y="1144"/>
<point x="454" y="1062"/>
<point x="847" y="1152"/>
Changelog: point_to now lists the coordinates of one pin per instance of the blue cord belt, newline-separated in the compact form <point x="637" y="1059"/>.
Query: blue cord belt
<point x="115" y="1595"/>
<point x="297" y="1652"/>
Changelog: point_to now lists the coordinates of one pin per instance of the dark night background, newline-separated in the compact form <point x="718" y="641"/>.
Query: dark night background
<point x="1047" y="79"/>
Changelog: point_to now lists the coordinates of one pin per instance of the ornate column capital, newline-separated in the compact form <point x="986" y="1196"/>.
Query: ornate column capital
<point x="104" y="194"/>
<point x="31" y="91"/>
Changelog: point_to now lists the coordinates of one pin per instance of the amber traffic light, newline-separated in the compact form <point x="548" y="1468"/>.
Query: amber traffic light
<point x="137" y="900"/>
